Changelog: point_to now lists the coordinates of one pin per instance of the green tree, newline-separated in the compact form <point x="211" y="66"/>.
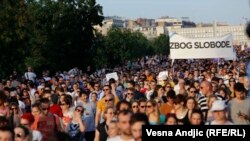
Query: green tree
<point x="63" y="33"/>
<point x="161" y="45"/>
<point x="13" y="36"/>
<point x="124" y="45"/>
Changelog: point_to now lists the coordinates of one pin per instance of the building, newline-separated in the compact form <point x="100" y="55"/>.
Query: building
<point x="238" y="32"/>
<point x="110" y="22"/>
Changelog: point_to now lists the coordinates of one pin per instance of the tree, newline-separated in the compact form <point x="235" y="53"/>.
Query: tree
<point x="13" y="36"/>
<point x="124" y="45"/>
<point x="161" y="45"/>
<point x="63" y="34"/>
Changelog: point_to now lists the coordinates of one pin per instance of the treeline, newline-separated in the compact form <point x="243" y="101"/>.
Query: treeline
<point x="59" y="34"/>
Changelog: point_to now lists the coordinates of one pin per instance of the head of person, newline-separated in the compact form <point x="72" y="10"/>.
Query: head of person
<point x="109" y="113"/>
<point x="191" y="103"/>
<point x="171" y="96"/>
<point x="113" y="129"/>
<point x="22" y="133"/>
<point x="219" y="110"/>
<point x="84" y="96"/>
<point x="36" y="110"/>
<point x="6" y="134"/>
<point x="135" y="106"/>
<point x="107" y="89"/>
<point x="151" y="106"/>
<point x="240" y="91"/>
<point x="3" y="97"/>
<point x="211" y="100"/>
<point x="109" y="100"/>
<point x="123" y="105"/>
<point x="171" y="119"/>
<point x="47" y="94"/>
<point x="130" y="93"/>
<point x="196" y="118"/>
<point x="44" y="106"/>
<point x="179" y="102"/>
<point x="14" y="108"/>
<point x="124" y="122"/>
<point x="79" y="110"/>
<point x="27" y="120"/>
<point x="94" y="97"/>
<point x="3" y="121"/>
<point x="142" y="105"/>
<point x="136" y="123"/>
<point x="206" y="88"/>
<point x="65" y="105"/>
<point x="192" y="91"/>
<point x="131" y="84"/>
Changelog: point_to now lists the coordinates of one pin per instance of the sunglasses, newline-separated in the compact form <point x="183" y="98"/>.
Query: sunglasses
<point x="142" y="106"/>
<point x="192" y="91"/>
<point x="62" y="104"/>
<point x="18" y="135"/>
<point x="25" y="124"/>
<point x="108" y="100"/>
<point x="105" y="89"/>
<point x="78" y="110"/>
<point x="44" y="109"/>
<point x="134" y="106"/>
<point x="149" y="106"/>
<point x="130" y="93"/>
<point x="13" y="108"/>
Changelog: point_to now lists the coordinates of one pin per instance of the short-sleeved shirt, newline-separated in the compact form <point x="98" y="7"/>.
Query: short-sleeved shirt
<point x="102" y="104"/>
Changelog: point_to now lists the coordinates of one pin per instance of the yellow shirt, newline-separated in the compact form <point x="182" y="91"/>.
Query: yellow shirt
<point x="101" y="104"/>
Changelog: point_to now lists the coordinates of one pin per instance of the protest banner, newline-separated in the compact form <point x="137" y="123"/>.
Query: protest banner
<point x="201" y="48"/>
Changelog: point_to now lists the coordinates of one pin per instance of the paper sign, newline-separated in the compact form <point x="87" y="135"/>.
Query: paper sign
<point x="112" y="75"/>
<point x="163" y="75"/>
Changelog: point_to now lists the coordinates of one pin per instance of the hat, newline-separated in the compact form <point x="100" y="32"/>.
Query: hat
<point x="29" y="117"/>
<point x="40" y="87"/>
<point x="218" y="105"/>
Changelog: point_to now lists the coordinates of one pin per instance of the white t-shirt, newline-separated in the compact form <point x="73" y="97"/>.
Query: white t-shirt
<point x="36" y="135"/>
<point x="215" y="123"/>
<point x="30" y="76"/>
<point x="118" y="138"/>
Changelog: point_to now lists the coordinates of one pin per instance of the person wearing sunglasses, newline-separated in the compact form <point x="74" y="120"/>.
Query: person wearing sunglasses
<point x="27" y="120"/>
<point x="130" y="94"/>
<point x="135" y="107"/>
<point x="109" y="99"/>
<point x="48" y="124"/>
<point x="89" y="115"/>
<point x="76" y="127"/>
<point x="101" y="133"/>
<point x="67" y="113"/>
<point x="22" y="133"/>
<point x="15" y="113"/>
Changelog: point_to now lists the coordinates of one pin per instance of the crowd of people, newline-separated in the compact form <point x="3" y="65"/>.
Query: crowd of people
<point x="85" y="106"/>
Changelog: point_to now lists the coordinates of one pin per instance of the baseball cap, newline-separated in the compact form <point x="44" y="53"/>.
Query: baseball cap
<point x="218" y="105"/>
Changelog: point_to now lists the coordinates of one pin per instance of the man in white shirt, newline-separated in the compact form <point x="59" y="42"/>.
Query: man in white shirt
<point x="30" y="75"/>
<point x="219" y="113"/>
<point x="124" y="127"/>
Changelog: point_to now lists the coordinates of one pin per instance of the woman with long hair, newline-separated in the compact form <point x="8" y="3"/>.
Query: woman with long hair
<point x="101" y="133"/>
<point x="153" y="113"/>
<point x="180" y="110"/>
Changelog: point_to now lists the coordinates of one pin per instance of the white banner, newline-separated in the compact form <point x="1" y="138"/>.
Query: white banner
<point x="112" y="75"/>
<point x="197" y="48"/>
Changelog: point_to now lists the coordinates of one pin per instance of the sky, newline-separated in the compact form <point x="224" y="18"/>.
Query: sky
<point x="206" y="11"/>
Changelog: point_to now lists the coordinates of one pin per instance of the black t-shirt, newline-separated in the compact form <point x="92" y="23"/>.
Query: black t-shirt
<point x="102" y="128"/>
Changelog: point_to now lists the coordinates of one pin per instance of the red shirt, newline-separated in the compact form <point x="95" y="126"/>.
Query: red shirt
<point x="56" y="109"/>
